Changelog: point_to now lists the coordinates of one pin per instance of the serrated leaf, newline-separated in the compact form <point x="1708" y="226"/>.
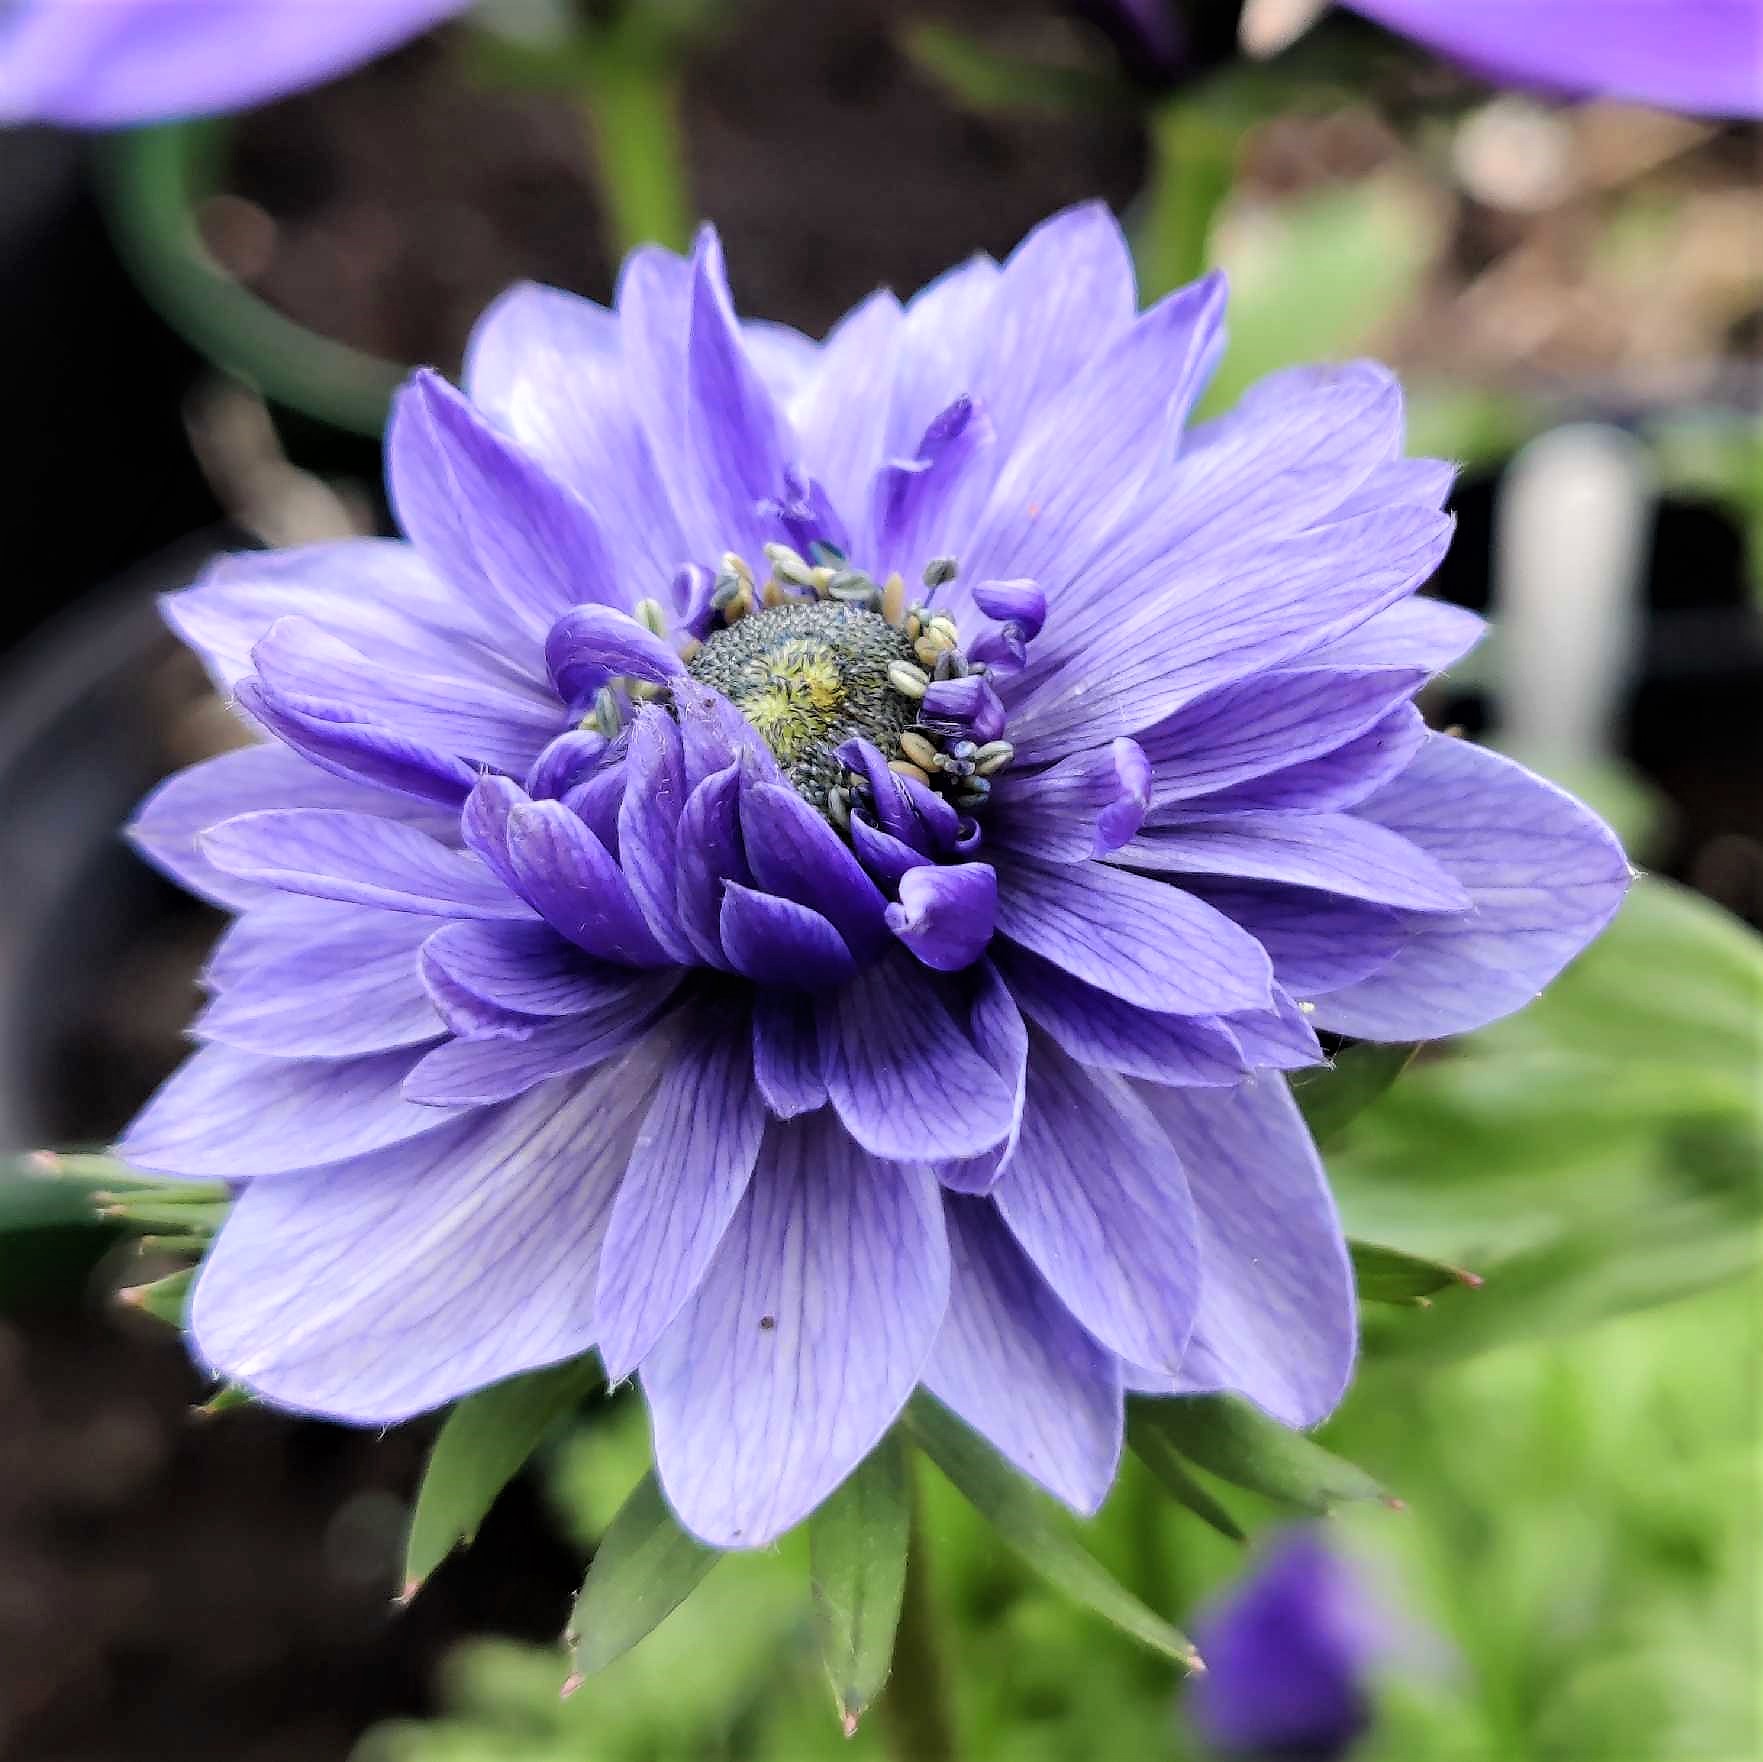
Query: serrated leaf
<point x="478" y="1451"/>
<point x="1229" y="1438"/>
<point x="1027" y="1520"/>
<point x="644" y="1568"/>
<point x="857" y="1547"/>
<point x="1387" y="1275"/>
<point x="164" y="1299"/>
<point x="1161" y="1457"/>
<point x="1332" y="1096"/>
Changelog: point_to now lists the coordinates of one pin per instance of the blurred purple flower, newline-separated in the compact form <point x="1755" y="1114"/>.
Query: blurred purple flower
<point x="1289" y="1655"/>
<point x="798" y="992"/>
<point x="115" y="63"/>
<point x="1701" y="56"/>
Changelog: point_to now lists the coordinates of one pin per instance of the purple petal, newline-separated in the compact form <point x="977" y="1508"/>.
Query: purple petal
<point x="804" y="1339"/>
<point x="1266" y="723"/>
<point x="775" y="942"/>
<point x="283" y="925"/>
<point x="571" y="759"/>
<point x="1012" y="1363"/>
<point x="1339" y="779"/>
<point x="1014" y="602"/>
<point x="945" y="914"/>
<point x="1277" y="1320"/>
<point x="405" y="1279"/>
<point x="1695" y="55"/>
<point x="308" y="669"/>
<point x="970" y="703"/>
<point x="1422" y="633"/>
<point x="476" y="1073"/>
<point x="887" y="858"/>
<point x="589" y="645"/>
<point x="710" y="853"/>
<point x="688" y="1170"/>
<point x="225" y="1115"/>
<point x="355" y="991"/>
<point x="648" y="826"/>
<point x="786" y="1053"/>
<point x="337" y="739"/>
<point x="524" y="969"/>
<point x="1280" y="1038"/>
<point x="139" y="61"/>
<point x="488" y="515"/>
<point x="843" y="418"/>
<point x="1096" y="1197"/>
<point x="1336" y="853"/>
<point x="998" y="1031"/>
<point x="1097" y="1028"/>
<point x="914" y="501"/>
<point x="573" y="883"/>
<point x="1317" y="941"/>
<point x="1144" y="940"/>
<point x="796" y="854"/>
<point x="1083" y="807"/>
<point x="1545" y="876"/>
<point x="335" y="854"/>
<point x="167" y="824"/>
<point x="904" y="1075"/>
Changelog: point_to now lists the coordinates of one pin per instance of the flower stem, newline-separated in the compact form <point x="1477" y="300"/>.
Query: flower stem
<point x="629" y="99"/>
<point x="915" y="1713"/>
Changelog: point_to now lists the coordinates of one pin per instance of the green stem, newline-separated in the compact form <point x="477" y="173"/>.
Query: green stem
<point x="1193" y="162"/>
<point x="630" y="104"/>
<point x="915" y="1714"/>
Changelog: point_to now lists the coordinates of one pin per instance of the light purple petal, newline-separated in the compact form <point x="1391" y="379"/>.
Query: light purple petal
<point x="476" y="1073"/>
<point x="945" y="913"/>
<point x="1277" y="1320"/>
<point x="1097" y="1028"/>
<point x="1085" y="806"/>
<point x="589" y="645"/>
<point x="355" y="991"/>
<point x="405" y="1279"/>
<point x="710" y="853"/>
<point x="224" y="1115"/>
<point x="903" y="1073"/>
<point x="1336" y="853"/>
<point x="1095" y="1195"/>
<point x="1333" y="780"/>
<point x="1423" y="633"/>
<point x="1703" y="56"/>
<point x="1317" y="941"/>
<point x="1142" y="939"/>
<point x="573" y="882"/>
<point x="137" y="61"/>
<point x="786" y="1053"/>
<point x="527" y="969"/>
<point x="360" y="858"/>
<point x="999" y="1032"/>
<point x="648" y="826"/>
<point x="1544" y="873"/>
<point x="805" y="1338"/>
<point x="796" y="853"/>
<point x="1012" y="1363"/>
<point x="843" y="416"/>
<point x="516" y="543"/>
<point x="688" y="1170"/>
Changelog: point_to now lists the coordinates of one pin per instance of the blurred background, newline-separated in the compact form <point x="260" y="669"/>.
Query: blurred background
<point x="204" y="321"/>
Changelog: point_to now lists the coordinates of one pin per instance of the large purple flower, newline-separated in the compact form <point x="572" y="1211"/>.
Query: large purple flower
<point x="664" y="930"/>
<point x="111" y="63"/>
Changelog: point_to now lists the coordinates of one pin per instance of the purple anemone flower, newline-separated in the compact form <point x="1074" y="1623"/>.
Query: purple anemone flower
<point x="1289" y="1655"/>
<point x="115" y="63"/>
<point x="803" y="870"/>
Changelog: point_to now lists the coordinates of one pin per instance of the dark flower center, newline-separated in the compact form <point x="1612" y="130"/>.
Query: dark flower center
<point x="809" y="676"/>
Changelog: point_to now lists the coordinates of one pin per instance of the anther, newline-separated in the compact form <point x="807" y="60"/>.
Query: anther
<point x="852" y="587"/>
<point x="788" y="565"/>
<point x="652" y="616"/>
<point x="838" y="806"/>
<point x="893" y="602"/>
<point x="919" y="750"/>
<point x="902" y="768"/>
<point x="939" y="570"/>
<point x="993" y="757"/>
<point x="608" y="717"/>
<point x="908" y="680"/>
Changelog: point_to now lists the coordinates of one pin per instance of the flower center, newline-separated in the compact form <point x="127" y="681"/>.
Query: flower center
<point x="810" y="675"/>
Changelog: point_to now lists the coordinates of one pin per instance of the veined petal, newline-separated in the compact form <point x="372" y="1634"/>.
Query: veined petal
<point x="1096" y="1197"/>
<point x="401" y="1280"/>
<point x="1317" y="941"/>
<point x="1277" y="1321"/>
<point x="805" y="1338"/>
<point x="573" y="882"/>
<point x="946" y="912"/>
<point x="1085" y="806"/>
<point x="527" y="969"/>
<point x="688" y="1170"/>
<point x="1013" y="1363"/>
<point x="999" y="1033"/>
<point x="775" y="942"/>
<point x="1544" y="874"/>
<point x="786" y="1053"/>
<point x="1332" y="780"/>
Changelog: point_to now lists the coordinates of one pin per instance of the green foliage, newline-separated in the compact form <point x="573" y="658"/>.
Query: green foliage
<point x="479" y="1450"/>
<point x="857" y="1547"/>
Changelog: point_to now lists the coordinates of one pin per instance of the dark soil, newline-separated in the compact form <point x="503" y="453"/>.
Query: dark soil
<point x="387" y="210"/>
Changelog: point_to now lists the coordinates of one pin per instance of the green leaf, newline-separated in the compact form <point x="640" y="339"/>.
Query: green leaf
<point x="1331" y="1096"/>
<point x="1026" y="1520"/>
<point x="478" y="1452"/>
<point x="1230" y="1439"/>
<point x="858" y="1542"/>
<point x="1387" y="1275"/>
<point x="224" y="1400"/>
<point x="644" y="1568"/>
<point x="164" y="1299"/>
<point x="1161" y="1457"/>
